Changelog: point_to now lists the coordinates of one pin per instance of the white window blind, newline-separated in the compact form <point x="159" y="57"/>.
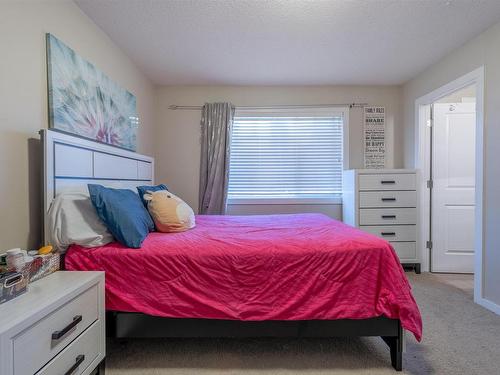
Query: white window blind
<point x="286" y="154"/>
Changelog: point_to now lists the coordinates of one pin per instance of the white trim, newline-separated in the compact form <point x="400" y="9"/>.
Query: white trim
<point x="423" y="149"/>
<point x="487" y="304"/>
<point x="421" y="132"/>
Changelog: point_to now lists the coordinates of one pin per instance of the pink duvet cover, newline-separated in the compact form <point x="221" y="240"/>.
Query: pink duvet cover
<point x="272" y="267"/>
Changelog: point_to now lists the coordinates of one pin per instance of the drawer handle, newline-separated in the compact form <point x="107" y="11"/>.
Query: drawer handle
<point x="78" y="362"/>
<point x="13" y="280"/>
<point x="388" y="216"/>
<point x="387" y="182"/>
<point x="388" y="199"/>
<point x="58" y="334"/>
<point x="388" y="233"/>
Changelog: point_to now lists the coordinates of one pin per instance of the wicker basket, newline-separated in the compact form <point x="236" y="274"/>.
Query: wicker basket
<point x="44" y="265"/>
<point x="13" y="284"/>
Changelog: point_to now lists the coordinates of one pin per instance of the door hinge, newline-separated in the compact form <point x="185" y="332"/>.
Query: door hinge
<point x="428" y="245"/>
<point x="430" y="184"/>
<point x="429" y="123"/>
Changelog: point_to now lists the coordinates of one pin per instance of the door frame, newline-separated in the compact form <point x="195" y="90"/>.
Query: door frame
<point x="422" y="149"/>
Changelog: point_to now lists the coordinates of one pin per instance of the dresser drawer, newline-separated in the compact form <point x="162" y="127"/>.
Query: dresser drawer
<point x="403" y="181"/>
<point x="392" y="232"/>
<point x="405" y="250"/>
<point x="377" y="199"/>
<point x="38" y="344"/>
<point x="78" y="355"/>
<point x="387" y="216"/>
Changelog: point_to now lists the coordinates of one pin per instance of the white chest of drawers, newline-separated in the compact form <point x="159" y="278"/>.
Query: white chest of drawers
<point x="384" y="202"/>
<point x="57" y="327"/>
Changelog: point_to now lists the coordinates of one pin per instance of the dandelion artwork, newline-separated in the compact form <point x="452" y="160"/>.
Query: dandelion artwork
<point x="86" y="102"/>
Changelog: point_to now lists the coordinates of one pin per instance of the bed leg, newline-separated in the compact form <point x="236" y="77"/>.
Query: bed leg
<point x="397" y="355"/>
<point x="417" y="268"/>
<point x="395" y="344"/>
<point x="110" y="324"/>
<point x="100" y="369"/>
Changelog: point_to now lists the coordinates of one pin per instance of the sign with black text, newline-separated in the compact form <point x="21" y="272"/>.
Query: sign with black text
<point x="374" y="137"/>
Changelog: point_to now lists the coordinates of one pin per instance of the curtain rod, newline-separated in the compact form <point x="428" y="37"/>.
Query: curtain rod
<point x="199" y="107"/>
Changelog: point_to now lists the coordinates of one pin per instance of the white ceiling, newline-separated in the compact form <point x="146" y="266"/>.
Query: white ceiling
<point x="288" y="42"/>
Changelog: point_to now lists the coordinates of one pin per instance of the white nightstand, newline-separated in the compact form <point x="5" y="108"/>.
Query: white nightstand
<point x="57" y="327"/>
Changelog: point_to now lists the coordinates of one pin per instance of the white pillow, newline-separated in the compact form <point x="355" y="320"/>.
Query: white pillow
<point x="73" y="219"/>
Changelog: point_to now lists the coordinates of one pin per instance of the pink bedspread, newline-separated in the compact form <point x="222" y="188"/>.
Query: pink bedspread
<point x="272" y="267"/>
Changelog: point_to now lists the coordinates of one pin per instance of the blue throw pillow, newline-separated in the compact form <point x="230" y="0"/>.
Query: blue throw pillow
<point x="144" y="189"/>
<point x="123" y="214"/>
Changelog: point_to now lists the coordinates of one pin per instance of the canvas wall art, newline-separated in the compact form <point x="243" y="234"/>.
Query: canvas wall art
<point x="86" y="102"/>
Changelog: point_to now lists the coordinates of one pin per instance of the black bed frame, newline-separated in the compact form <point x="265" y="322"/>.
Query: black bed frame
<point x="124" y="325"/>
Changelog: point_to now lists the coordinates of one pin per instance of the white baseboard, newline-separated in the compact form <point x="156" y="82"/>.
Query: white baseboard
<point x="487" y="304"/>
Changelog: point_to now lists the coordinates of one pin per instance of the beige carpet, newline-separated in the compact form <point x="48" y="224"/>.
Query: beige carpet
<point x="459" y="338"/>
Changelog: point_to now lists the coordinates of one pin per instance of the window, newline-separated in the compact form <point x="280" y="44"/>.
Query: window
<point x="287" y="156"/>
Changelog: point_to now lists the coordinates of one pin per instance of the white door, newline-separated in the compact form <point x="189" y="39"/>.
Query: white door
<point x="453" y="174"/>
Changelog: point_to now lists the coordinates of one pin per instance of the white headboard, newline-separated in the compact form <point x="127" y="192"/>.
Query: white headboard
<point x="71" y="162"/>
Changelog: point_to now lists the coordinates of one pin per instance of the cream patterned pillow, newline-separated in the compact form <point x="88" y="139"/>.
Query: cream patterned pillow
<point x="169" y="212"/>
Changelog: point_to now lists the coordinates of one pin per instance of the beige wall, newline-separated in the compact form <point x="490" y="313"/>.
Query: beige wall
<point x="178" y="135"/>
<point x="483" y="50"/>
<point x="23" y="102"/>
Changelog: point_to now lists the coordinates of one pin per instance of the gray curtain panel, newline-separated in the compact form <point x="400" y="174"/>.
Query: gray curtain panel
<point x="216" y="127"/>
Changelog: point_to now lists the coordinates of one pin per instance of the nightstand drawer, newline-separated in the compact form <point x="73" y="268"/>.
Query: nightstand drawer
<point x="392" y="232"/>
<point x="78" y="355"/>
<point x="368" y="199"/>
<point x="41" y="342"/>
<point x="387" y="216"/>
<point x="401" y="181"/>
<point x="405" y="250"/>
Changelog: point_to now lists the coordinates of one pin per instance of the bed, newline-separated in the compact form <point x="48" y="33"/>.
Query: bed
<point x="237" y="276"/>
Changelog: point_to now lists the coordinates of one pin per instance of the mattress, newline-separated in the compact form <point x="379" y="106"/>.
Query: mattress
<point x="262" y="267"/>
